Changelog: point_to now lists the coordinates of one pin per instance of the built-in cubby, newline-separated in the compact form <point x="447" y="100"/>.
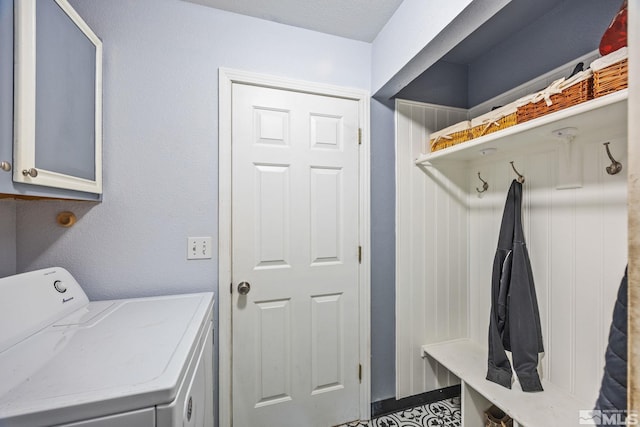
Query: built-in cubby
<point x="468" y="360"/>
<point x="575" y="223"/>
<point x="447" y="237"/>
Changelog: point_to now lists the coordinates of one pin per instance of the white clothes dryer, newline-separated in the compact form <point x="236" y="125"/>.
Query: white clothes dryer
<point x="65" y="360"/>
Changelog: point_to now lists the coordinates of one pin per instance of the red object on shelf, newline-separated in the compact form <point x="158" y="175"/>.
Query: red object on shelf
<point x="616" y="35"/>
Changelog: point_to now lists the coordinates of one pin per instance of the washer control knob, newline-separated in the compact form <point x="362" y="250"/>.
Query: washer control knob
<point x="59" y="286"/>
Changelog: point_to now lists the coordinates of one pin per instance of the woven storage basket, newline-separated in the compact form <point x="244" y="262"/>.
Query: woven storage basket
<point x="610" y="73"/>
<point x="495" y="120"/>
<point x="452" y="135"/>
<point x="559" y="95"/>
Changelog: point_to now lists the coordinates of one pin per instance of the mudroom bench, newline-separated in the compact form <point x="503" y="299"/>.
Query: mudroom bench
<point x="468" y="361"/>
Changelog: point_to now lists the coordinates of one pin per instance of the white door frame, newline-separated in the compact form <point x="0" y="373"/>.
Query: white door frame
<point x="226" y="78"/>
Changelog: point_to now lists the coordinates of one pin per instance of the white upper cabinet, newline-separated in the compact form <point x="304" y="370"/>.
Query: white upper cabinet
<point x="58" y="98"/>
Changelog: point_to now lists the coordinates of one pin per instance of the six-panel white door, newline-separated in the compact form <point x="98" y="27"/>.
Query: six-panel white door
<point x="295" y="242"/>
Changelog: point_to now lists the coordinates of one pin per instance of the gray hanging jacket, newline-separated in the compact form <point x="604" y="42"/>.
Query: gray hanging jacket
<point x="514" y="324"/>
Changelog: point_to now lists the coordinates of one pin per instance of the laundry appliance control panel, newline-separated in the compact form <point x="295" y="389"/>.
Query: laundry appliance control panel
<point x="35" y="300"/>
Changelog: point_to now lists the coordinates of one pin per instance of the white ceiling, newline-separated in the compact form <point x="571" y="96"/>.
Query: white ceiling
<point x="353" y="19"/>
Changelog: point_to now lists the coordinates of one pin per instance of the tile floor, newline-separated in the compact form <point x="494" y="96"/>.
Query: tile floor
<point x="444" y="413"/>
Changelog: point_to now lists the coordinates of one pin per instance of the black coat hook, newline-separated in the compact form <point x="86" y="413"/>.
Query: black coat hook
<point x="615" y="166"/>
<point x="520" y="177"/>
<point x="485" y="185"/>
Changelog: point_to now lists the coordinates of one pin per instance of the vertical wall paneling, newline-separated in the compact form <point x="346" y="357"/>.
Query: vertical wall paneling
<point x="432" y="231"/>
<point x="417" y="215"/>
<point x="403" y="232"/>
<point x="576" y="241"/>
<point x="447" y="237"/>
<point x="588" y="281"/>
<point x="538" y="235"/>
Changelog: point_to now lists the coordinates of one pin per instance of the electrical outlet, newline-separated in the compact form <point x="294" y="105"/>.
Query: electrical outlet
<point x="199" y="248"/>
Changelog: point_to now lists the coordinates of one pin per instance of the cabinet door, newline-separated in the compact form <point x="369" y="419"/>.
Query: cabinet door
<point x="58" y="98"/>
<point x="6" y="94"/>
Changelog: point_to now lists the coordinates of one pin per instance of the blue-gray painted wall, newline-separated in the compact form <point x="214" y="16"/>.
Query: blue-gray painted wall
<point x="7" y="207"/>
<point x="445" y="83"/>
<point x="573" y="28"/>
<point x="160" y="164"/>
<point x="383" y="247"/>
<point x="160" y="146"/>
<point x="499" y="55"/>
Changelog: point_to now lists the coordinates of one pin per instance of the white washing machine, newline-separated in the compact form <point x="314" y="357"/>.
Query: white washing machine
<point x="65" y="360"/>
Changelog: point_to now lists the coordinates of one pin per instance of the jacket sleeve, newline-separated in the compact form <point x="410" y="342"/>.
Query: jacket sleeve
<point x="499" y="368"/>
<point x="524" y="321"/>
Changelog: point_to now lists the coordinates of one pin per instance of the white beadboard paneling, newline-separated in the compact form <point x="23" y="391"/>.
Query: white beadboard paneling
<point x="404" y="232"/>
<point x="538" y="235"/>
<point x="483" y="237"/>
<point x="561" y="302"/>
<point x="431" y="253"/>
<point x="589" y="224"/>
<point x="577" y="242"/>
<point x="613" y="193"/>
<point x="418" y="215"/>
<point x="458" y="232"/>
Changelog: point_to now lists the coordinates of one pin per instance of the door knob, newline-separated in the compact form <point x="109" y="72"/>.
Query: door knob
<point x="5" y="166"/>
<point x="244" y="288"/>
<point x="33" y="172"/>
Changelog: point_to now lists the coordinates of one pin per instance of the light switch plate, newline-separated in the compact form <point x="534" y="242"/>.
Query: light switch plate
<point x="199" y="248"/>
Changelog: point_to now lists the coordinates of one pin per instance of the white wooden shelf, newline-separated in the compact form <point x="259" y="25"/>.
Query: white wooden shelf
<point x="468" y="361"/>
<point x="595" y="119"/>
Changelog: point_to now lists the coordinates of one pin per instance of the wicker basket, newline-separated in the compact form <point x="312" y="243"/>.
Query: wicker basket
<point x="495" y="120"/>
<point x="452" y="135"/>
<point x="610" y="79"/>
<point x="559" y="95"/>
<point x="610" y="72"/>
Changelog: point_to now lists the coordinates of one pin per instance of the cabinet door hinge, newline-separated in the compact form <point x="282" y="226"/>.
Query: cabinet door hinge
<point x="360" y="373"/>
<point x="359" y="254"/>
<point x="359" y="136"/>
